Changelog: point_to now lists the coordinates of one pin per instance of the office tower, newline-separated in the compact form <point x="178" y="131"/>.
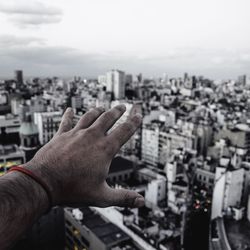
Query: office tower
<point x="116" y="83"/>
<point x="19" y="77"/>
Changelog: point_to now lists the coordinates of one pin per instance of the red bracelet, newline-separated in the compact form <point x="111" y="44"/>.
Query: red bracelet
<point x="36" y="179"/>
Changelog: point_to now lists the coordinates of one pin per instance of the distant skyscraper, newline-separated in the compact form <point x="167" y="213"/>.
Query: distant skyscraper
<point x="242" y="79"/>
<point x="116" y="83"/>
<point x="19" y="76"/>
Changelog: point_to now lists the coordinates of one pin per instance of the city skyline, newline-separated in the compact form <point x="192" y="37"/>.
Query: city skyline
<point x="88" y="38"/>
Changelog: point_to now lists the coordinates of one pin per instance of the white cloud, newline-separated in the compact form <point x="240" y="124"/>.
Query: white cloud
<point x="30" y="13"/>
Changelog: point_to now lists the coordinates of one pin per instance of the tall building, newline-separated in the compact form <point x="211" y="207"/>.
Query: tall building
<point x="227" y="191"/>
<point x="48" y="124"/>
<point x="150" y="144"/>
<point x="19" y="77"/>
<point x="116" y="83"/>
<point x="242" y="80"/>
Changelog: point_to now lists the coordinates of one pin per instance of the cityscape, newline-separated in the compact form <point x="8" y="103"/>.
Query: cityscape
<point x="190" y="159"/>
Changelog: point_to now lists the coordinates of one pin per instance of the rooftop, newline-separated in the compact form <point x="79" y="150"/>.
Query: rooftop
<point x="120" y="164"/>
<point x="105" y="231"/>
<point x="238" y="234"/>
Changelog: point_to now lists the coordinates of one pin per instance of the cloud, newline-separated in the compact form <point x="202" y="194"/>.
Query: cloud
<point x="10" y="41"/>
<point x="37" y="58"/>
<point x="30" y="13"/>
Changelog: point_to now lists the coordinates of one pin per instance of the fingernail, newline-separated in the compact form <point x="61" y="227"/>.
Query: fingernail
<point x="137" y="118"/>
<point x="121" y="107"/>
<point x="70" y="112"/>
<point x="139" y="202"/>
<point x="69" y="109"/>
<point x="138" y="115"/>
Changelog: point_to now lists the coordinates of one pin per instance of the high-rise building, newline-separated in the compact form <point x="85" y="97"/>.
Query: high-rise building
<point x="19" y="77"/>
<point x="116" y="83"/>
<point x="242" y="80"/>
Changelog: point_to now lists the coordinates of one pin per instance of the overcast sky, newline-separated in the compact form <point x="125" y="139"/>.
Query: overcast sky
<point x="89" y="37"/>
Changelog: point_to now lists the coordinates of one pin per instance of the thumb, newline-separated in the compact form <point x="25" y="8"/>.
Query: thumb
<point x="67" y="121"/>
<point x="123" y="198"/>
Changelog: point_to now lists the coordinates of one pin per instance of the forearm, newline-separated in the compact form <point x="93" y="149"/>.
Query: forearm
<point x="22" y="202"/>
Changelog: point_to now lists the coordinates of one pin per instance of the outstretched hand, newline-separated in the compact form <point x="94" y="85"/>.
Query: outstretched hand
<point x="75" y="163"/>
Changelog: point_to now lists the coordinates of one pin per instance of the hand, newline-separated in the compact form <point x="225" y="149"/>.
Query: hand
<point x="75" y="163"/>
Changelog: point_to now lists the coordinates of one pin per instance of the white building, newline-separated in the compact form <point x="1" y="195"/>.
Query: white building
<point x="150" y="144"/>
<point x="116" y="83"/>
<point x="233" y="188"/>
<point x="155" y="192"/>
<point x="156" y="187"/>
<point x="227" y="191"/>
<point x="48" y="124"/>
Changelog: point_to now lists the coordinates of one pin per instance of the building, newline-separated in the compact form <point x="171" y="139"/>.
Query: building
<point x="205" y="175"/>
<point x="29" y="137"/>
<point x="115" y="83"/>
<point x="120" y="170"/>
<point x="76" y="102"/>
<point x="150" y="144"/>
<point x="5" y="107"/>
<point x="85" y="229"/>
<point x="227" y="192"/>
<point x="19" y="77"/>
<point x="9" y="129"/>
<point x="156" y="187"/>
<point x="48" y="124"/>
<point x="10" y="155"/>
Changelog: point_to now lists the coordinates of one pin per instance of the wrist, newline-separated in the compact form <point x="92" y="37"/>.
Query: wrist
<point x="28" y="193"/>
<point x="46" y="176"/>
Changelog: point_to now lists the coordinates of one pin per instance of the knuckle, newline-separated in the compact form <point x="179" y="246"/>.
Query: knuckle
<point x="109" y="147"/>
<point x="102" y="146"/>
<point x="89" y="115"/>
<point x="91" y="131"/>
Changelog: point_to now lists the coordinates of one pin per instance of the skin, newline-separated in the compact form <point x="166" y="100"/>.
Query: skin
<point x="74" y="165"/>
